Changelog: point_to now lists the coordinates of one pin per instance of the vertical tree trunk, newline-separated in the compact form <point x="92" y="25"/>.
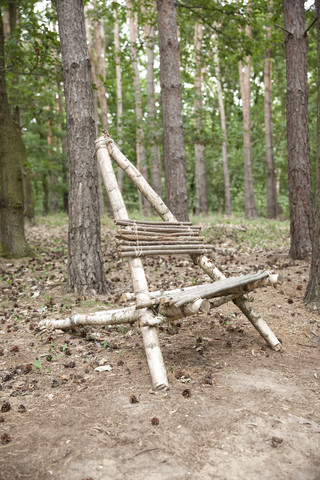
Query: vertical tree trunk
<point x="155" y="161"/>
<point x="28" y="198"/>
<point x="53" y="196"/>
<point x="103" y="105"/>
<point x="299" y="174"/>
<point x="10" y="24"/>
<point x="116" y="35"/>
<point x="245" y="90"/>
<point x="63" y="147"/>
<point x="201" y="206"/>
<point x="85" y="264"/>
<point x="312" y="295"/>
<point x="140" y="139"/>
<point x="100" y="49"/>
<point x="174" y="149"/>
<point x="271" y="180"/>
<point x="223" y="123"/>
<point x="12" y="156"/>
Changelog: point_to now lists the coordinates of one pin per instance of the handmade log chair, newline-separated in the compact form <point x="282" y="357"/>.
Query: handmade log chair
<point x="137" y="239"/>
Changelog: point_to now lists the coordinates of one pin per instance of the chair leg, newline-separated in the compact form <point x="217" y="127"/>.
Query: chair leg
<point x="243" y="304"/>
<point x="150" y="334"/>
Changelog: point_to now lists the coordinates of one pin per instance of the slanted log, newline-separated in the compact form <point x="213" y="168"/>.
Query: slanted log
<point x="243" y="304"/>
<point x="236" y="286"/>
<point x="136" y="177"/>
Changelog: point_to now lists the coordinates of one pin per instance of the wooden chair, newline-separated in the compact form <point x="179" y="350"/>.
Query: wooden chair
<point x="137" y="239"/>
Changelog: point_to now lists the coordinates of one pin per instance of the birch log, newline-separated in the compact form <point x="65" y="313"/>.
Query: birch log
<point x="131" y="314"/>
<point x="137" y="178"/>
<point x="140" y="285"/>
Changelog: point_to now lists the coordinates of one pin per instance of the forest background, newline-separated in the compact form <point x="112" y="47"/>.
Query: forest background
<point x="233" y="82"/>
<point x="34" y="83"/>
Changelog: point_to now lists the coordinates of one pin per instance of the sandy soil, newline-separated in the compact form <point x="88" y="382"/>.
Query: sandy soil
<point x="235" y="409"/>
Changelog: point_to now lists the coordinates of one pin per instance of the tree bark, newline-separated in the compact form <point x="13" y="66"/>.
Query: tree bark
<point x="271" y="180"/>
<point x="12" y="157"/>
<point x="312" y="295"/>
<point x="299" y="174"/>
<point x="85" y="264"/>
<point x="245" y="91"/>
<point x="153" y="137"/>
<point x="120" y="173"/>
<point x="201" y="205"/>
<point x="174" y="149"/>
<point x="140" y="137"/>
<point x="223" y="123"/>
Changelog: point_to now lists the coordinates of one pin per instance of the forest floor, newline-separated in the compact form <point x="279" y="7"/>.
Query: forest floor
<point x="236" y="410"/>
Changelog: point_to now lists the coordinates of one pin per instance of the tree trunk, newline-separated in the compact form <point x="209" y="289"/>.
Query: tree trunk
<point x="244" y="77"/>
<point x="12" y="157"/>
<point x="299" y="175"/>
<point x="312" y="295"/>
<point x="271" y="180"/>
<point x="223" y="122"/>
<point x="28" y="197"/>
<point x="119" y="90"/>
<point x="155" y="162"/>
<point x="140" y="139"/>
<point x="201" y="206"/>
<point x="53" y="196"/>
<point x="100" y="49"/>
<point x="64" y="148"/>
<point x="85" y="264"/>
<point x="103" y="105"/>
<point x="174" y="149"/>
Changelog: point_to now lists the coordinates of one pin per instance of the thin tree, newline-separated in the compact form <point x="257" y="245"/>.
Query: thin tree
<point x="223" y="121"/>
<point x="119" y="88"/>
<point x="103" y="104"/>
<point x="140" y="137"/>
<point x="271" y="179"/>
<point x="12" y="156"/>
<point x="85" y="264"/>
<point x="201" y="205"/>
<point x="173" y="140"/>
<point x="312" y="295"/>
<point x="245" y="91"/>
<point x="299" y="171"/>
<point x="155" y="158"/>
<point x="100" y="50"/>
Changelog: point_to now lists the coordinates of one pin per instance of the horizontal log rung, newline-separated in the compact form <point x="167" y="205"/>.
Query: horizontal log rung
<point x="151" y="222"/>
<point x="145" y="253"/>
<point x="173" y="247"/>
<point x="137" y="242"/>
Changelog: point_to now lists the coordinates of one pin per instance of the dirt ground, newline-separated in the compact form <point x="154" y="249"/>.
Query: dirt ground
<point x="236" y="410"/>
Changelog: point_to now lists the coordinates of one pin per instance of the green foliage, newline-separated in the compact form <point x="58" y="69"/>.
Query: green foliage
<point x="34" y="76"/>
